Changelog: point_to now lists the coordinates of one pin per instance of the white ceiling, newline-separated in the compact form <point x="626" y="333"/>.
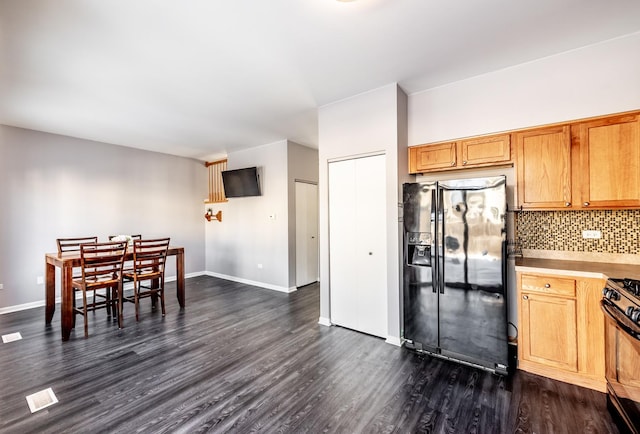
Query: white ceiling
<point x="199" y="78"/>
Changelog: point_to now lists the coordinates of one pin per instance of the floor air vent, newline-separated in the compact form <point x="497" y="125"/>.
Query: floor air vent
<point x="39" y="400"/>
<point x="11" y="337"/>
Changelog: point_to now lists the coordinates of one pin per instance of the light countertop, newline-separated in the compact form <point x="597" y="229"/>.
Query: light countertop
<point x="578" y="268"/>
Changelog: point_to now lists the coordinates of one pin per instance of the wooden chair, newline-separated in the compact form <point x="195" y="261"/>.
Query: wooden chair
<point x="101" y="265"/>
<point x="73" y="245"/>
<point x="149" y="258"/>
<point x="128" y="266"/>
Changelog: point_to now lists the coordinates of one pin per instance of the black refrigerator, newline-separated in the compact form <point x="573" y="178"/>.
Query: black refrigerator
<point x="454" y="294"/>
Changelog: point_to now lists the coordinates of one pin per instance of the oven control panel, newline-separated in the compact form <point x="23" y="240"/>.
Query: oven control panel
<point x="624" y="294"/>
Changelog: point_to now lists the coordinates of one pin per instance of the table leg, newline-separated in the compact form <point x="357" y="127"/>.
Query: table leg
<point x="180" y="278"/>
<point x="66" y="308"/>
<point x="50" y="292"/>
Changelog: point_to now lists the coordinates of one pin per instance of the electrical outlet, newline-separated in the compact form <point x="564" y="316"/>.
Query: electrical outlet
<point x="592" y="234"/>
<point x="1" y="286"/>
<point x="39" y="280"/>
<point x="260" y="266"/>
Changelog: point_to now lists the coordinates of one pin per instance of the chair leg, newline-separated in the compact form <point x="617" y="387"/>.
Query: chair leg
<point x="84" y="310"/>
<point x="108" y="292"/>
<point x="115" y="302"/>
<point x="120" y="306"/>
<point x="136" y="291"/>
<point x="73" y="324"/>
<point x="161" y="289"/>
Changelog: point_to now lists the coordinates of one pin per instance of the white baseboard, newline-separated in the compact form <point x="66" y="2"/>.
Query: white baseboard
<point x="394" y="340"/>
<point x="252" y="282"/>
<point x="40" y="303"/>
<point x="324" y="321"/>
<point x="25" y="306"/>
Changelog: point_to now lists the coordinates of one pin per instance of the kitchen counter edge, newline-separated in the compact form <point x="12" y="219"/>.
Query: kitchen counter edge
<point x="597" y="270"/>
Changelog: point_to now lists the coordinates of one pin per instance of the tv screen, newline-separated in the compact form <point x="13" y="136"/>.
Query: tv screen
<point x="241" y="182"/>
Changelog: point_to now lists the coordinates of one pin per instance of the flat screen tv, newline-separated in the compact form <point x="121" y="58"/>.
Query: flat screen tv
<point x="241" y="182"/>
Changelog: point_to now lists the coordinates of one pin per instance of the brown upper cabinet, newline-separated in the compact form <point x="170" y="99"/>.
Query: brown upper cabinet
<point x="475" y="152"/>
<point x="592" y="164"/>
<point x="543" y="165"/>
<point x="610" y="162"/>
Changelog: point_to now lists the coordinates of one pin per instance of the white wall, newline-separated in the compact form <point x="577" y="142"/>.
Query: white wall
<point x="260" y="230"/>
<point x="591" y="81"/>
<point x="364" y="124"/>
<point x="55" y="186"/>
<point x="247" y="237"/>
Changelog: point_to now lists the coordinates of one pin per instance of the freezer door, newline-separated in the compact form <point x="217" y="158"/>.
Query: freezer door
<point x="473" y="322"/>
<point x="420" y="296"/>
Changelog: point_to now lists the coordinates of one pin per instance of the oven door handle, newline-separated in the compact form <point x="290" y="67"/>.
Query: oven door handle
<point x="628" y="326"/>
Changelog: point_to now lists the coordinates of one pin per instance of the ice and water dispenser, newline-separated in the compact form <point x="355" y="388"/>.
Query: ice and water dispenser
<point x="419" y="249"/>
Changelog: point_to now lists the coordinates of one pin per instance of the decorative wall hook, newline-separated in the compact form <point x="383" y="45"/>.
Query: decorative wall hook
<point x="210" y="215"/>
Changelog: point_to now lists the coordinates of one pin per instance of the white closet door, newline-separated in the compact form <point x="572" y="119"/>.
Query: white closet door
<point x="342" y="244"/>
<point x="357" y="244"/>
<point x="306" y="233"/>
<point x="371" y="224"/>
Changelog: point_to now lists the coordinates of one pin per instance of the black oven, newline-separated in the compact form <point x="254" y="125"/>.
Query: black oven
<point x="621" y="306"/>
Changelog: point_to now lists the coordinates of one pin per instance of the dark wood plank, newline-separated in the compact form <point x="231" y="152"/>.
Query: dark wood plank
<point x="245" y="359"/>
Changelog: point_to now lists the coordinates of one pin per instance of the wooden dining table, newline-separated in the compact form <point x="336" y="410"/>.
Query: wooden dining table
<point x="66" y="261"/>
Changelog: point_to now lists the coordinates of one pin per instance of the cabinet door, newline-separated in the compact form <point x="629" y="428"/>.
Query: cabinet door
<point x="610" y="162"/>
<point x="544" y="168"/>
<point x="432" y="157"/>
<point x="486" y="150"/>
<point x="590" y="327"/>
<point x="548" y="330"/>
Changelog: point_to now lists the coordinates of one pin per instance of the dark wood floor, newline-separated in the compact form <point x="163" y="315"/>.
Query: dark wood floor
<point x="244" y="359"/>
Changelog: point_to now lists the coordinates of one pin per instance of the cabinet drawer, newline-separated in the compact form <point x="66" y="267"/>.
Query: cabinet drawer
<point x="549" y="285"/>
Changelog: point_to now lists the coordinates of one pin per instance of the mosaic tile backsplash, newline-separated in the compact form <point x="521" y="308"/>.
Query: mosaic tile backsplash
<point x="562" y="230"/>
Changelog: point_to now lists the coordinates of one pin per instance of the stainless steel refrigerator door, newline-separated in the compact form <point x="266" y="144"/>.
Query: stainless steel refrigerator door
<point x="419" y="292"/>
<point x="473" y="315"/>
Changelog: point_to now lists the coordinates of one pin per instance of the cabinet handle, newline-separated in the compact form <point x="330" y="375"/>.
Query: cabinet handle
<point x="525" y="297"/>
<point x="586" y="204"/>
<point x="453" y="163"/>
<point x="547" y="285"/>
<point x="464" y="163"/>
<point x="567" y="204"/>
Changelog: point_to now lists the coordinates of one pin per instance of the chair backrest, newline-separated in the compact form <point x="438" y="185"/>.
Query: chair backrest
<point x="150" y="255"/>
<point x="73" y="244"/>
<point x="102" y="261"/>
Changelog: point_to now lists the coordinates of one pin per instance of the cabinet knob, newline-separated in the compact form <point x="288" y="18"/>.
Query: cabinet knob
<point x="585" y="204"/>
<point x="547" y="285"/>
<point x="453" y="163"/>
<point x="525" y="297"/>
<point x="464" y="163"/>
<point x="567" y="204"/>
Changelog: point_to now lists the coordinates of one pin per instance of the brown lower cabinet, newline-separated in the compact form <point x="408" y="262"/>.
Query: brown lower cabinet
<point x="561" y="328"/>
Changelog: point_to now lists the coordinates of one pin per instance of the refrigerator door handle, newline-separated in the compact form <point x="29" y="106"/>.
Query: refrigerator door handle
<point x="439" y="237"/>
